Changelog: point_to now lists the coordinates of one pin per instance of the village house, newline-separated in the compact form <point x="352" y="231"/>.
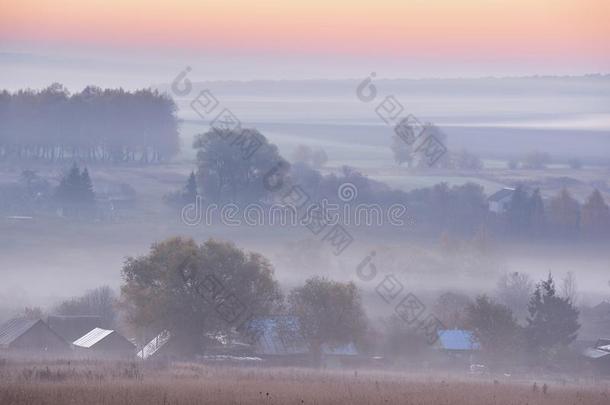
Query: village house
<point x="278" y="339"/>
<point x="500" y="200"/>
<point x="460" y="346"/>
<point x="22" y="334"/>
<point x="104" y="343"/>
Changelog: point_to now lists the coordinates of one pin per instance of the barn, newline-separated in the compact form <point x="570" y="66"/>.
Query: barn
<point x="104" y="343"/>
<point x="29" y="335"/>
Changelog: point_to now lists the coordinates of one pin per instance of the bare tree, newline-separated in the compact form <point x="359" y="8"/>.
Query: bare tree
<point x="569" y="288"/>
<point x="514" y="290"/>
<point x="99" y="302"/>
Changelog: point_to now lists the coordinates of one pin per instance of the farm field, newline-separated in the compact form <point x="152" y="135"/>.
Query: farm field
<point x="104" y="383"/>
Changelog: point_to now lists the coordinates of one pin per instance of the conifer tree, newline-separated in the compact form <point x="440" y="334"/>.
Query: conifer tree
<point x="553" y="320"/>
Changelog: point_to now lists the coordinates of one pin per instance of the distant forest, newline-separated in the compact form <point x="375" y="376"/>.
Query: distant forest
<point x="103" y="125"/>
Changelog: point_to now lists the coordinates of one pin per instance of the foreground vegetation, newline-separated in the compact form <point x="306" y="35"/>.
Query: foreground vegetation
<point x="63" y="382"/>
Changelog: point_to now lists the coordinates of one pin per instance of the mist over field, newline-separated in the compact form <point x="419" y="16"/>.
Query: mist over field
<point x="305" y="202"/>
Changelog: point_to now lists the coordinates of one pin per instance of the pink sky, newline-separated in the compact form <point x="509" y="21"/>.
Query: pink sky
<point x="568" y="35"/>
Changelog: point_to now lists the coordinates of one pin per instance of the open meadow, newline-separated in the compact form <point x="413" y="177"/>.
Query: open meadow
<point x="96" y="382"/>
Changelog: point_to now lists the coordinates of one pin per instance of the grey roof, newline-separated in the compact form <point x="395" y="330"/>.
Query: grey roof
<point x="92" y="338"/>
<point x="506" y="192"/>
<point x="13" y="329"/>
<point x="154" y="345"/>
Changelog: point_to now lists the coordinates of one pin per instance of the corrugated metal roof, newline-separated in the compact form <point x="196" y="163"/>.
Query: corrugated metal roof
<point x="11" y="330"/>
<point x="154" y="345"/>
<point x="457" y="339"/>
<point x="92" y="338"/>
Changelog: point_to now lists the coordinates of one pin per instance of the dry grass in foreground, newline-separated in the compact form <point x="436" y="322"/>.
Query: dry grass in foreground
<point x="123" y="383"/>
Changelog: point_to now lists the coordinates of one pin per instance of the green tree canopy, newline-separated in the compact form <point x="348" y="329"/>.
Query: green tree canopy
<point x="565" y="214"/>
<point x="495" y="328"/>
<point x="196" y="291"/>
<point x="231" y="165"/>
<point x="329" y="313"/>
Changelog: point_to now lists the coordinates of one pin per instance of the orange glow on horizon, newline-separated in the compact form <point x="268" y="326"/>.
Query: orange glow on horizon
<point x="489" y="28"/>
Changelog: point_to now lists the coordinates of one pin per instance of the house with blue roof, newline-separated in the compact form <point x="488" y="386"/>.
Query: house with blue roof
<point x="279" y="338"/>
<point x="457" y="340"/>
<point x="460" y="345"/>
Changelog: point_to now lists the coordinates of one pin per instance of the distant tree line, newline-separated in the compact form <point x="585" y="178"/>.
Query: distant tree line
<point x="225" y="175"/>
<point x="95" y="125"/>
<point x="561" y="216"/>
<point x="100" y="302"/>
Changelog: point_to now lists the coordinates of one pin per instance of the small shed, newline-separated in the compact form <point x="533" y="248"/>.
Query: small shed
<point x="105" y="342"/>
<point x="22" y="334"/>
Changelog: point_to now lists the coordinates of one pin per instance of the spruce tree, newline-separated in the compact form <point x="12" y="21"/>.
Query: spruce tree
<point x="595" y="216"/>
<point x="552" y="322"/>
<point x="86" y="193"/>
<point x="69" y="187"/>
<point x="518" y="213"/>
<point x="565" y="214"/>
<point x="190" y="190"/>
<point x="536" y="213"/>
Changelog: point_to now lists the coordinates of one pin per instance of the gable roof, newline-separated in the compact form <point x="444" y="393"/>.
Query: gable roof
<point x="154" y="345"/>
<point x="457" y="339"/>
<point x="500" y="195"/>
<point x="93" y="337"/>
<point x="14" y="328"/>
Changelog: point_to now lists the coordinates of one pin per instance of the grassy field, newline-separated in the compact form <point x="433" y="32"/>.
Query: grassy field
<point x="108" y="383"/>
